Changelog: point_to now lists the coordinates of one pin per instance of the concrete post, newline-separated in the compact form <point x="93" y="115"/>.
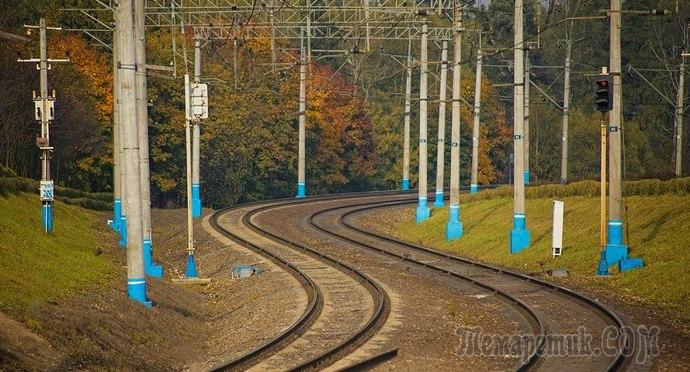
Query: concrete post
<point x="475" y="128"/>
<point x="408" y="115"/>
<point x="116" y="222"/>
<point x="454" y="226"/>
<point x="679" y="119"/>
<point x="566" y="112"/>
<point x="47" y="205"/>
<point x="440" y="142"/>
<point x="191" y="262"/>
<point x="526" y="123"/>
<point x="301" y="183"/>
<point x="616" y="251"/>
<point x="150" y="268"/>
<point x="423" y="210"/>
<point x="136" y="283"/>
<point x="520" y="235"/>
<point x="196" y="139"/>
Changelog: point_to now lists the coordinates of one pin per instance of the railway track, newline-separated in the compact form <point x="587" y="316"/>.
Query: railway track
<point x="532" y="298"/>
<point x="536" y="294"/>
<point x="296" y="266"/>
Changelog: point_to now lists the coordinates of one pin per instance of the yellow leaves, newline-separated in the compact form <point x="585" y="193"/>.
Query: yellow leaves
<point x="91" y="64"/>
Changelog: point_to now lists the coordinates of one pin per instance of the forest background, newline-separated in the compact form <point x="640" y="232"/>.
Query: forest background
<point x="355" y="106"/>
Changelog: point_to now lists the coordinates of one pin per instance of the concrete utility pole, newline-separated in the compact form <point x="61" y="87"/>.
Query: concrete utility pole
<point x="150" y="268"/>
<point x="136" y="284"/>
<point x="475" y="128"/>
<point x="526" y="123"/>
<point x="196" y="139"/>
<point x="301" y="183"/>
<point x="566" y="111"/>
<point x="423" y="210"/>
<point x="520" y="235"/>
<point x="679" y="118"/>
<point x="440" y="142"/>
<point x="44" y="112"/>
<point x="616" y="251"/>
<point x="118" y="218"/>
<point x="408" y="114"/>
<point x="191" y="262"/>
<point x="454" y="226"/>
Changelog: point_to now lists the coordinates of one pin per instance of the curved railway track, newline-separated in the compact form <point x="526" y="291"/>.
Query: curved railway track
<point x="518" y="296"/>
<point x="453" y="265"/>
<point x="314" y="293"/>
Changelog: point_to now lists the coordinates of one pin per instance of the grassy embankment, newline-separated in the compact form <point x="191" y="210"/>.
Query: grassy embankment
<point x="659" y="231"/>
<point x="36" y="267"/>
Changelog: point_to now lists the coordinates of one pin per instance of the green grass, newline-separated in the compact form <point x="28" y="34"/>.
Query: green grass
<point x="36" y="267"/>
<point x="659" y="229"/>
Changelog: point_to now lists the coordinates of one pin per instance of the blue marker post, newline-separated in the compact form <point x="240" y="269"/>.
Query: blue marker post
<point x="47" y="217"/>
<point x="527" y="177"/>
<point x="136" y="290"/>
<point x="123" y="231"/>
<point x="301" y="190"/>
<point x="117" y="216"/>
<point x="454" y="226"/>
<point x="196" y="200"/>
<point x="405" y="184"/>
<point x="519" y="236"/>
<point x="616" y="252"/>
<point x="474" y="189"/>
<point x="191" y="266"/>
<point x="150" y="267"/>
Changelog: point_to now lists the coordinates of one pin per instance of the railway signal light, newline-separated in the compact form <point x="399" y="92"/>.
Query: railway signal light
<point x="604" y="93"/>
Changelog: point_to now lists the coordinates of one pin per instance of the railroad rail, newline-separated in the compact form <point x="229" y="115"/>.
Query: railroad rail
<point x="617" y="362"/>
<point x="313" y="310"/>
<point x="469" y="271"/>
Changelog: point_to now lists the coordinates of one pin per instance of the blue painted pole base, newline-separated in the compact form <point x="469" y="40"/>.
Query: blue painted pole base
<point x="136" y="290"/>
<point x="526" y="176"/>
<point x="423" y="211"/>
<point x="454" y="226"/>
<point x="405" y="184"/>
<point x="117" y="216"/>
<point x="438" y="202"/>
<point x="191" y="267"/>
<point x="47" y="217"/>
<point x="196" y="200"/>
<point x="519" y="236"/>
<point x="301" y="190"/>
<point x="151" y="268"/>
<point x="123" y="232"/>
<point x="474" y="189"/>
<point x="616" y="252"/>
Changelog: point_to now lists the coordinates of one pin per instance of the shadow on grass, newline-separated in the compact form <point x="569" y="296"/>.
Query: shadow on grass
<point x="655" y="225"/>
<point x="486" y="215"/>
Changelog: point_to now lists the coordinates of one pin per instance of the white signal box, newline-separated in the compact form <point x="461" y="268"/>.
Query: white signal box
<point x="50" y="105"/>
<point x="199" y="100"/>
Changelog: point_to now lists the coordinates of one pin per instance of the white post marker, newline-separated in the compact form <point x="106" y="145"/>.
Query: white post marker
<point x="557" y="238"/>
